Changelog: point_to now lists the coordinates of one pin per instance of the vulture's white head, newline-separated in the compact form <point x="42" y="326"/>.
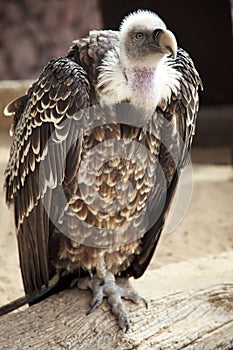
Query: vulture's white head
<point x="144" y="40"/>
<point x="136" y="70"/>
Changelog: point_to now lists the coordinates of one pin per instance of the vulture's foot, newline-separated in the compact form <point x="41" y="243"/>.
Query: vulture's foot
<point x="107" y="287"/>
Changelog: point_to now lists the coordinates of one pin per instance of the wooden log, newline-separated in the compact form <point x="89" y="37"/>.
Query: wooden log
<point x="187" y="316"/>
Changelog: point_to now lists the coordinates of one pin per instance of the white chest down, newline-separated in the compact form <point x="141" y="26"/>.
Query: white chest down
<point x="141" y="86"/>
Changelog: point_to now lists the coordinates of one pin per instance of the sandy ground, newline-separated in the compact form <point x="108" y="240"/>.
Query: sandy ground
<point x="206" y="229"/>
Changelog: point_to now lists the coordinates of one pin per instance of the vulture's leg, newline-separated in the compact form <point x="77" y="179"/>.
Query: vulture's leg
<point x="107" y="287"/>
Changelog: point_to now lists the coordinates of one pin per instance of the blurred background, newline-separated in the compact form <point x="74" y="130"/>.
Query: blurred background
<point x="33" y="32"/>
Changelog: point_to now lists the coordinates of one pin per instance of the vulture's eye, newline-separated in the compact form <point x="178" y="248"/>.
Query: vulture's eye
<point x="139" y="36"/>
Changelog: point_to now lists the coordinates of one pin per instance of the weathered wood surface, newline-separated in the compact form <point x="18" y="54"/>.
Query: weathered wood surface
<point x="188" y="314"/>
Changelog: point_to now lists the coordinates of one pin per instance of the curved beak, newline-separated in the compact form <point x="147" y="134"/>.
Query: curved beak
<point x="166" y="41"/>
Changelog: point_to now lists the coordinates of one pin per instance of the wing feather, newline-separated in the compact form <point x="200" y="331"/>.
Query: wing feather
<point x="60" y="92"/>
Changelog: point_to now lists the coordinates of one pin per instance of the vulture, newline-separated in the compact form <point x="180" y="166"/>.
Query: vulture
<point x="98" y="144"/>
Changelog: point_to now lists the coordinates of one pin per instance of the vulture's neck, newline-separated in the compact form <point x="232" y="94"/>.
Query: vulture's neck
<point x="144" y="88"/>
<point x="139" y="85"/>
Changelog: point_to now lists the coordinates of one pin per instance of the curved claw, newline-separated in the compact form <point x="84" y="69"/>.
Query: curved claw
<point x="144" y="302"/>
<point x="74" y="282"/>
<point x="123" y="322"/>
<point x="127" y="327"/>
<point x="94" y="306"/>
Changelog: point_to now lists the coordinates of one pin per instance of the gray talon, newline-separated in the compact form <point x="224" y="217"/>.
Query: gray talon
<point x="94" y="306"/>
<point x="145" y="302"/>
<point x="74" y="282"/>
<point x="107" y="287"/>
<point x="127" y="326"/>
